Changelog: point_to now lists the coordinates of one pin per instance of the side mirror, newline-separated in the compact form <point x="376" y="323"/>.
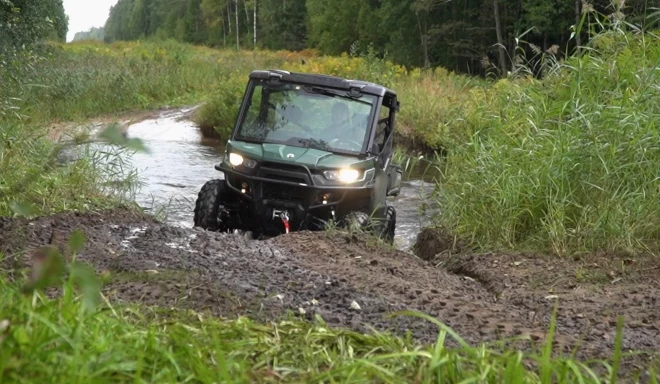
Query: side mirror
<point x="394" y="182"/>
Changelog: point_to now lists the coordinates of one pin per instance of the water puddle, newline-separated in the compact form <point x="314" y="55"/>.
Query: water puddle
<point x="180" y="161"/>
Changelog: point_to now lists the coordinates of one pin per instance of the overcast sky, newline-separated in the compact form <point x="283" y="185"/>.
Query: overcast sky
<point x="85" y="14"/>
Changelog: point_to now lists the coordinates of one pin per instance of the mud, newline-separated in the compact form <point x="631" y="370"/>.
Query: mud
<point x="483" y="297"/>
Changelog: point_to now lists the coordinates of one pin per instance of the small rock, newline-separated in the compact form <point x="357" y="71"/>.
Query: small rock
<point x="302" y="310"/>
<point x="328" y="283"/>
<point x="315" y="302"/>
<point x="616" y="280"/>
<point x="551" y="297"/>
<point x="468" y="278"/>
<point x="517" y="263"/>
<point x="355" y="305"/>
<point x="373" y="262"/>
<point x="151" y="272"/>
<point x="280" y="297"/>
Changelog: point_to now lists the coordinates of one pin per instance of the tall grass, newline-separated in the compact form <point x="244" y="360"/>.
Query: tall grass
<point x="567" y="163"/>
<point x="82" y="80"/>
<point x="41" y="177"/>
<point x="62" y="340"/>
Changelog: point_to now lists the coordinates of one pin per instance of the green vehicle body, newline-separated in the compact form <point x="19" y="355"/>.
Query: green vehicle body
<point x="297" y="177"/>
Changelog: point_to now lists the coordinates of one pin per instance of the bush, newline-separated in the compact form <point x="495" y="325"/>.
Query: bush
<point x="217" y="116"/>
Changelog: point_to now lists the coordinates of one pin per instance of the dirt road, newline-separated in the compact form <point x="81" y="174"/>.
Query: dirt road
<point x="483" y="297"/>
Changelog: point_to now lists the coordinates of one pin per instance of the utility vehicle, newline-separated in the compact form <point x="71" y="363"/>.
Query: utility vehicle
<point x="306" y="150"/>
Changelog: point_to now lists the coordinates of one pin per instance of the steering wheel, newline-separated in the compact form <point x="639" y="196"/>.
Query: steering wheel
<point x="352" y="143"/>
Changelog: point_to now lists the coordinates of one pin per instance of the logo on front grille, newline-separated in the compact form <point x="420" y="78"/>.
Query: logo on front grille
<point x="290" y="156"/>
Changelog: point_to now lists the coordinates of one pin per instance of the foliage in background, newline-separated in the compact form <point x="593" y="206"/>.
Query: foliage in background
<point x="25" y="22"/>
<point x="92" y="34"/>
<point x="568" y="163"/>
<point x="459" y="35"/>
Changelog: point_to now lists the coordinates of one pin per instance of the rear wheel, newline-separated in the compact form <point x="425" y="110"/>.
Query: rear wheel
<point x="209" y="207"/>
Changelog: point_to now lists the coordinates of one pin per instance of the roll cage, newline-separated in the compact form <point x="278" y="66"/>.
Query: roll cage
<point x="382" y="121"/>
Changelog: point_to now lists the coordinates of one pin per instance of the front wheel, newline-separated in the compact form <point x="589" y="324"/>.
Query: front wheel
<point x="208" y="207"/>
<point x="356" y="221"/>
<point x="389" y="226"/>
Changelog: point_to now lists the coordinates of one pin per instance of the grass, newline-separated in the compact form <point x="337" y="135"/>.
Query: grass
<point x="565" y="164"/>
<point x="62" y="340"/>
<point x="40" y="177"/>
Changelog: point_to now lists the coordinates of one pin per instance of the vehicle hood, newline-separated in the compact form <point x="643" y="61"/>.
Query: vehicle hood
<point x="309" y="157"/>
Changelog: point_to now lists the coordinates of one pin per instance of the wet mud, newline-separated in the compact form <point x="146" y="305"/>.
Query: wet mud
<point x="351" y="282"/>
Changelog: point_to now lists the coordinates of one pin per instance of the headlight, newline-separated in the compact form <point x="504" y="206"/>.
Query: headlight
<point x="345" y="175"/>
<point x="235" y="159"/>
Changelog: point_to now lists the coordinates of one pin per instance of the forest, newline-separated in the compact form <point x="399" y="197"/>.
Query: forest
<point x="469" y="36"/>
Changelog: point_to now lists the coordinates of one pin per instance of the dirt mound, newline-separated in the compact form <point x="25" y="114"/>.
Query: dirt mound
<point x="433" y="241"/>
<point x="355" y="284"/>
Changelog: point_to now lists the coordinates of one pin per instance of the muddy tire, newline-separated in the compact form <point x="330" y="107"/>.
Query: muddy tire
<point x="389" y="225"/>
<point x="209" y="205"/>
<point x="356" y="221"/>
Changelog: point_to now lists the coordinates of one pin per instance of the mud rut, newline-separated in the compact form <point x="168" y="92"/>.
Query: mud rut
<point x="502" y="295"/>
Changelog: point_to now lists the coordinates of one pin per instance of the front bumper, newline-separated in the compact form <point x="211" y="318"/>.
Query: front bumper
<point x="309" y="205"/>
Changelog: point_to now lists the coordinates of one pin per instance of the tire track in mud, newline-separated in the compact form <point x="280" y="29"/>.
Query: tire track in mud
<point x="321" y="273"/>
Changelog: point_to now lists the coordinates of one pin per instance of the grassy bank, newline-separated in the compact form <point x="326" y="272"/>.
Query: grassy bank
<point x="62" y="340"/>
<point x="566" y="164"/>
<point x="81" y="80"/>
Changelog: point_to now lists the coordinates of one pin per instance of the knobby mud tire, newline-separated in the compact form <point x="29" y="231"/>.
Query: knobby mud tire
<point x="207" y="206"/>
<point x="389" y="226"/>
<point x="356" y="221"/>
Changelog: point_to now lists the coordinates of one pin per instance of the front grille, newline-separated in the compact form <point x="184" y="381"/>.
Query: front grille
<point x="283" y="192"/>
<point x="285" y="167"/>
<point x="291" y="174"/>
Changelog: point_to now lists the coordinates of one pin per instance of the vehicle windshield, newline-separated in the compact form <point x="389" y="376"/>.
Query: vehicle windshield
<point x="305" y="116"/>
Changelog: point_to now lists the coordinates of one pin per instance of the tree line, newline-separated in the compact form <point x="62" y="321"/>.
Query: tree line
<point x="92" y="34"/>
<point x="464" y="36"/>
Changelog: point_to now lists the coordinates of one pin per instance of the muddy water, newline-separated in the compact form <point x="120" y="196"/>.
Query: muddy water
<point x="180" y="161"/>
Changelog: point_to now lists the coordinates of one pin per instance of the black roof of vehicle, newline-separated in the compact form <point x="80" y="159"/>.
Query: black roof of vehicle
<point x="323" y="81"/>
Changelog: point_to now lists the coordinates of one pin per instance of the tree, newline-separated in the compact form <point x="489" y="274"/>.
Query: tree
<point x="423" y="13"/>
<point x="501" y="47"/>
<point x="333" y="25"/>
<point x="25" y="22"/>
<point x="283" y="24"/>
